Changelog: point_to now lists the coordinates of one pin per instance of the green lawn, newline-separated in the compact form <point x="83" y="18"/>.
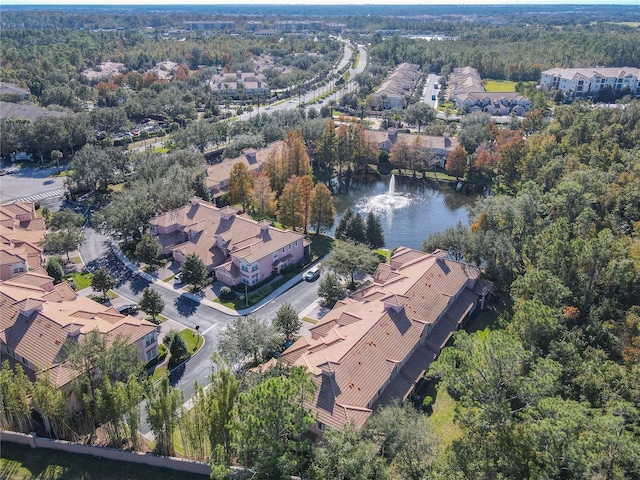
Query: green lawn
<point x="441" y="419"/>
<point x="194" y="343"/>
<point x="499" y="86"/>
<point x="19" y="462"/>
<point x="82" y="280"/>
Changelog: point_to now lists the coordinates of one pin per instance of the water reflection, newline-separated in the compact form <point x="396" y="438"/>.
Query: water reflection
<point x="417" y="209"/>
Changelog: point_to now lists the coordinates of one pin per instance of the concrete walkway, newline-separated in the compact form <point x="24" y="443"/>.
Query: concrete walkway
<point x="200" y="298"/>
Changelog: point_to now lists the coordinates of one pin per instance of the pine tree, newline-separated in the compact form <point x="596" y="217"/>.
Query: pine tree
<point x="194" y="271"/>
<point x="102" y="282"/>
<point x="374" y="232"/>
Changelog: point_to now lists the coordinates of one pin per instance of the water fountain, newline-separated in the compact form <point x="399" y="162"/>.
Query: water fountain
<point x="385" y="203"/>
<point x="392" y="188"/>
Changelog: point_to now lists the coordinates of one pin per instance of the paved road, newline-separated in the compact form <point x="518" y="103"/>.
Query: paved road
<point x="430" y="90"/>
<point x="30" y="183"/>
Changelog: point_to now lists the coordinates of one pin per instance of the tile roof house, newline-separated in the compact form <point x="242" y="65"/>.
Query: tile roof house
<point x="39" y="321"/>
<point x="239" y="249"/>
<point x="21" y="232"/>
<point x="373" y="348"/>
<point x="437" y="148"/>
<point x="217" y="175"/>
<point x="399" y="83"/>
<point x="466" y="90"/>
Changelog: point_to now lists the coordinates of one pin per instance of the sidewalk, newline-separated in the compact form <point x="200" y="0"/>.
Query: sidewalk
<point x="201" y="297"/>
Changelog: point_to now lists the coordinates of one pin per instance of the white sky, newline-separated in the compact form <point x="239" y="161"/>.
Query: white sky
<point x="322" y="2"/>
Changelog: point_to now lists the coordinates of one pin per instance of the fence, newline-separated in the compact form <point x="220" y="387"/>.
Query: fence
<point x="34" y="441"/>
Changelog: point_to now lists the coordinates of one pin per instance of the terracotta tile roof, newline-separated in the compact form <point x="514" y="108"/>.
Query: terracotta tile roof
<point x="39" y="321"/>
<point x="242" y="236"/>
<point x="20" y="235"/>
<point x="371" y="348"/>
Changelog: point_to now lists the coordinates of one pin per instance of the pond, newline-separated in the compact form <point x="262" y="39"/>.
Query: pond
<point x="409" y="211"/>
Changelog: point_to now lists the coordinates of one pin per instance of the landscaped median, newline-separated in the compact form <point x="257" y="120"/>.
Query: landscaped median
<point x="177" y="348"/>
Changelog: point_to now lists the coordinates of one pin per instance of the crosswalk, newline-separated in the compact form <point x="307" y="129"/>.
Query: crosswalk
<point x="40" y="196"/>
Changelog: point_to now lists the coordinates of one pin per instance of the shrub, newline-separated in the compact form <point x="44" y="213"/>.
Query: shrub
<point x="226" y="292"/>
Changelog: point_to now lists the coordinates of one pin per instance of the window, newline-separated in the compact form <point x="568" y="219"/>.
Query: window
<point x="320" y="426"/>
<point x="290" y="246"/>
<point x="254" y="267"/>
<point x="275" y="255"/>
<point x="283" y="249"/>
<point x="296" y="243"/>
<point x="149" y="339"/>
<point x="151" y="354"/>
<point x="18" y="268"/>
<point x="380" y="390"/>
<point x="26" y="362"/>
<point x="244" y="267"/>
<point x="10" y="352"/>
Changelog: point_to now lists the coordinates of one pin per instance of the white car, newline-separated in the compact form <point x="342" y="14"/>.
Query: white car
<point x="313" y="273"/>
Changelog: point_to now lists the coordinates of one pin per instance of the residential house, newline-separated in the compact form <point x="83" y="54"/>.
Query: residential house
<point x="466" y="90"/>
<point x="40" y="321"/>
<point x="587" y="81"/>
<point x="251" y="83"/>
<point x="435" y="149"/>
<point x="237" y="248"/>
<point x="394" y="89"/>
<point x="21" y="232"/>
<point x="217" y="175"/>
<point x="373" y="348"/>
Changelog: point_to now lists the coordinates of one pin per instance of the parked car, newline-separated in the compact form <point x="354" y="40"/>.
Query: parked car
<point x="178" y="277"/>
<point x="129" y="309"/>
<point x="313" y="273"/>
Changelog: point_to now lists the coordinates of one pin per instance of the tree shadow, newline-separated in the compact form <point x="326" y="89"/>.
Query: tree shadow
<point x="185" y="306"/>
<point x="176" y="374"/>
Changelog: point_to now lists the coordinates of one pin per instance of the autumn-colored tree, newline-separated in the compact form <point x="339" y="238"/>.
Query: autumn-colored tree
<point x="485" y="159"/>
<point x="290" y="210"/>
<point x="457" y="162"/>
<point x="263" y="198"/>
<point x="239" y="185"/>
<point x="511" y="148"/>
<point x="325" y="150"/>
<point x="305" y="188"/>
<point x="295" y="160"/>
<point x="323" y="211"/>
<point x="400" y="155"/>
<point x="273" y="168"/>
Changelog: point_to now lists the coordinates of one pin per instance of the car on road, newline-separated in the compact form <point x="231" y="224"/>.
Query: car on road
<point x="313" y="273"/>
<point x="128" y="309"/>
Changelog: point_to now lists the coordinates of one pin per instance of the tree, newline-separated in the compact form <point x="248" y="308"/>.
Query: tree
<point x="269" y="422"/>
<point x="323" y="211"/>
<point x="66" y="232"/>
<point x="406" y="440"/>
<point x="54" y="269"/>
<point x="247" y="337"/>
<point x="374" y="232"/>
<point x="325" y="151"/>
<point x="222" y="394"/>
<point x="287" y="321"/>
<point x="262" y="196"/>
<point x="102" y="282"/>
<point x="151" y="302"/>
<point x="474" y="129"/>
<point x="348" y="258"/>
<point x="305" y="188"/>
<point x="194" y="271"/>
<point x="455" y="240"/>
<point x="239" y="185"/>
<point x="330" y="289"/>
<point x="148" y="250"/>
<point x="56" y="156"/>
<point x="177" y="347"/>
<point x="15" y="388"/>
<point x="163" y="405"/>
<point x="290" y="208"/>
<point x="347" y="454"/>
<point x="456" y="163"/>
<point x="419" y="114"/>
